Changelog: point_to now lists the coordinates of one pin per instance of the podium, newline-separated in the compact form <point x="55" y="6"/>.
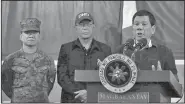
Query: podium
<point x="150" y="87"/>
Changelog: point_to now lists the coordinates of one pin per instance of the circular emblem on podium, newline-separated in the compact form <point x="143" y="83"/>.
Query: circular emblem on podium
<point x="118" y="73"/>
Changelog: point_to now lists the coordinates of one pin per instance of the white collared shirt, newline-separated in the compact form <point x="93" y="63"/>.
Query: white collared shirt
<point x="148" y="45"/>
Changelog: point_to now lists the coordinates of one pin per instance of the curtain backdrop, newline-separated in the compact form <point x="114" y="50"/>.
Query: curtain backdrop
<point x="57" y="25"/>
<point x="170" y="23"/>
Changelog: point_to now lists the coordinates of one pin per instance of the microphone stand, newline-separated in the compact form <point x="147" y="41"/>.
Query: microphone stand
<point x="133" y="57"/>
<point x="124" y="50"/>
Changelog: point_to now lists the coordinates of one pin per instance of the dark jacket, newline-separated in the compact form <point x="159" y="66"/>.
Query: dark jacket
<point x="73" y="57"/>
<point x="144" y="59"/>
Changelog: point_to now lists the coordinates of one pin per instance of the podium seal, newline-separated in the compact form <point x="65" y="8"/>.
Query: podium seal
<point x="118" y="73"/>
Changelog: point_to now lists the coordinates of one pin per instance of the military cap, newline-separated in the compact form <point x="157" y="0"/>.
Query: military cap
<point x="30" y="24"/>
<point x="82" y="16"/>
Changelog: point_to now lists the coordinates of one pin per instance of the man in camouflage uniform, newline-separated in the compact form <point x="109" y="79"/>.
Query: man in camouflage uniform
<point x="28" y="74"/>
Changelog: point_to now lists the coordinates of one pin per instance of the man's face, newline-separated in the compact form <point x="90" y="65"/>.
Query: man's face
<point x="84" y="29"/>
<point x="142" y="28"/>
<point x="30" y="38"/>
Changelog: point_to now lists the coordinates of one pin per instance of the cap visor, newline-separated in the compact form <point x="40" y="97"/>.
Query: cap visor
<point x="84" y="18"/>
<point x="31" y="29"/>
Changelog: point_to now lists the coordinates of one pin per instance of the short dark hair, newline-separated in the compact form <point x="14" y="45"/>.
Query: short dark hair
<point x="145" y="13"/>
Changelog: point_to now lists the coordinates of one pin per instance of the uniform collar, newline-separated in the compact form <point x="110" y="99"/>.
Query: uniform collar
<point x="94" y="44"/>
<point x="150" y="43"/>
<point x="37" y="54"/>
<point x="37" y="51"/>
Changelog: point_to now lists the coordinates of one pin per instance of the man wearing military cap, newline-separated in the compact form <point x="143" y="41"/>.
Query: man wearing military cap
<point x="28" y="74"/>
<point x="80" y="54"/>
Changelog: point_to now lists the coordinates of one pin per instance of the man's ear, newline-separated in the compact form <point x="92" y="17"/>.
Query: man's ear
<point x="153" y="29"/>
<point x="93" y="25"/>
<point x="75" y="27"/>
<point x="20" y="37"/>
<point x="40" y="37"/>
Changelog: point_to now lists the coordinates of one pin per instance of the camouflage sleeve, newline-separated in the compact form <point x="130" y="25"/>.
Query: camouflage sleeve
<point x="7" y="76"/>
<point x="51" y="75"/>
<point x="63" y="73"/>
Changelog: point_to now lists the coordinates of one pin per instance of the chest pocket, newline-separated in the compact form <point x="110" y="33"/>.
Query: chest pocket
<point x="20" y="76"/>
<point x="20" y="65"/>
<point x="42" y="65"/>
<point x="19" y="69"/>
<point x="20" y="62"/>
<point x="43" y="69"/>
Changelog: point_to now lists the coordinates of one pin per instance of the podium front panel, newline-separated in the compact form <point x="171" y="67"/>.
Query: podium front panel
<point x="144" y="76"/>
<point x="140" y="93"/>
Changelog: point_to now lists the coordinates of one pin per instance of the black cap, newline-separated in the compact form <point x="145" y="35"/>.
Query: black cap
<point x="83" y="16"/>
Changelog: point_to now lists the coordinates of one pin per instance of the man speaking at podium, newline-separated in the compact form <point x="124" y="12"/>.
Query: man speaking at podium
<point x="80" y="54"/>
<point x="153" y="56"/>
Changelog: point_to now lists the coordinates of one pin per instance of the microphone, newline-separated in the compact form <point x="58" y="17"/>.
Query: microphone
<point x="141" y="43"/>
<point x="129" y="43"/>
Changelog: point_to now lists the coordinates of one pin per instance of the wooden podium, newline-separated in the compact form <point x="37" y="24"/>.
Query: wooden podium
<point x="151" y="86"/>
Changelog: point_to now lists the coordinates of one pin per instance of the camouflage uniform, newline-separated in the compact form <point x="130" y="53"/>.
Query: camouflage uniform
<point x="28" y="80"/>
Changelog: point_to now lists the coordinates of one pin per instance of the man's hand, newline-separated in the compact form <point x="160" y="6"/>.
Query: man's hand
<point x="82" y="95"/>
<point x="158" y="67"/>
<point x="99" y="62"/>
